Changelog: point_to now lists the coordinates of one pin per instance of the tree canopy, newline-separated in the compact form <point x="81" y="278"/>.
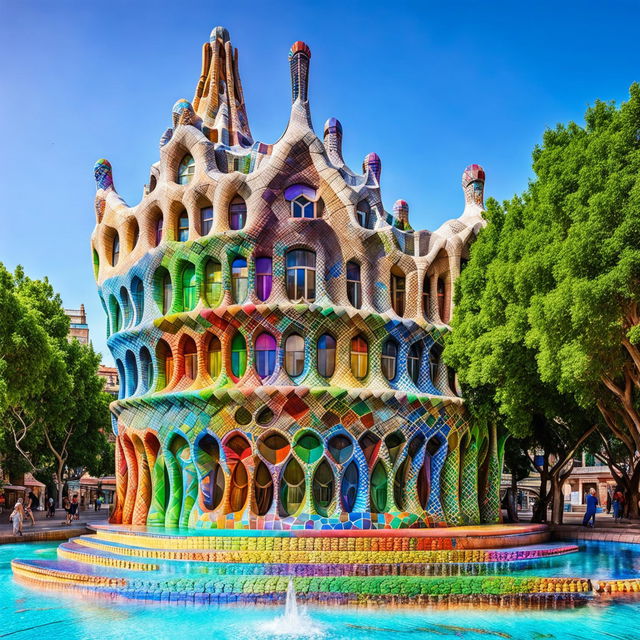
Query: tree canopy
<point x="546" y="313"/>
<point x="53" y="409"/>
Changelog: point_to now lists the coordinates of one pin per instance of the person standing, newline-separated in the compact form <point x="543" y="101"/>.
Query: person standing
<point x="618" y="504"/>
<point x="66" y="505"/>
<point x="16" y="517"/>
<point x="592" y="505"/>
<point x="29" y="509"/>
<point x="72" y="514"/>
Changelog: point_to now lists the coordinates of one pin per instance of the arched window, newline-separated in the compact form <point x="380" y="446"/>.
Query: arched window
<point x="302" y="207"/>
<point x="158" y="231"/>
<point x="434" y="362"/>
<point x="137" y="294"/>
<point x="189" y="288"/>
<point x="354" y="288"/>
<point x="122" y="379"/>
<point x="146" y="369"/>
<point x="115" y="249"/>
<point x="208" y="460"/>
<point x="378" y="488"/>
<point x="294" y="355"/>
<point x="263" y="278"/>
<point x="265" y="355"/>
<point x="238" y="355"/>
<point x="183" y="227"/>
<point x="186" y="169"/>
<point x="326" y="355"/>
<point x="214" y="357"/>
<point x="263" y="488"/>
<point x="127" y="315"/>
<point x="239" y="280"/>
<point x="213" y="283"/>
<point x="349" y="487"/>
<point x="442" y="301"/>
<point x="426" y="297"/>
<point x="292" y="488"/>
<point x="323" y="487"/>
<point x="190" y="355"/>
<point x="164" y="358"/>
<point x="116" y="314"/>
<point x="164" y="290"/>
<point x="359" y="357"/>
<point x="365" y="216"/>
<point x="237" y="213"/>
<point x="132" y="373"/>
<point x="389" y="359"/>
<point x="413" y="362"/>
<point x="397" y="291"/>
<point x="206" y="220"/>
<point x="301" y="275"/>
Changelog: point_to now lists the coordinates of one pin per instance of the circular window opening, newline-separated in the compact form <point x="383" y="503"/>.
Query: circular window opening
<point x="243" y="416"/>
<point x="264" y="417"/>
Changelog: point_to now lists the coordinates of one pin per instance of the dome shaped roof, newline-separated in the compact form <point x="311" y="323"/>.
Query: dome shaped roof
<point x="298" y="47"/>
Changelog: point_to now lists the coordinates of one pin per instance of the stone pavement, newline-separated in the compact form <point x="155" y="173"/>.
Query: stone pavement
<point x="50" y="528"/>
<point x="606" y="529"/>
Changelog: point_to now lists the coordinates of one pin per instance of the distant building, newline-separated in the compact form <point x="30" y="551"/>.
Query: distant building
<point x="78" y="329"/>
<point x="112" y="384"/>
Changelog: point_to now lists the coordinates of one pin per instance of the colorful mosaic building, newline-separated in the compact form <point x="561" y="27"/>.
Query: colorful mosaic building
<point x="285" y="419"/>
<point x="278" y="333"/>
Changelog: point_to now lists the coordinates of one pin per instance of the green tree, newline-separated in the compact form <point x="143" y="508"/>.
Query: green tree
<point x="54" y="411"/>
<point x="548" y="306"/>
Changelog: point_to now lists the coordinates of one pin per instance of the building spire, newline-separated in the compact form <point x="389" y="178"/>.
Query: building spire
<point x="219" y="99"/>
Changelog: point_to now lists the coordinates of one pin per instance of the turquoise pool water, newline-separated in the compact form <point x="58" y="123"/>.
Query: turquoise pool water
<point x="27" y="613"/>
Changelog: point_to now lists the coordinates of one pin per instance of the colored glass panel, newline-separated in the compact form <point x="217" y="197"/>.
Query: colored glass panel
<point x="264" y="278"/>
<point x="265" y="355"/>
<point x="294" y="355"/>
<point x="326" y="355"/>
<point x="238" y="355"/>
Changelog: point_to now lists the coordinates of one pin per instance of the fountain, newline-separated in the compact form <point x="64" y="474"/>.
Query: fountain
<point x="295" y="622"/>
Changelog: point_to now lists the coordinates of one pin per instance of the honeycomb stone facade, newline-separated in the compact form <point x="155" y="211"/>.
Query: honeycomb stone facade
<point x="278" y="333"/>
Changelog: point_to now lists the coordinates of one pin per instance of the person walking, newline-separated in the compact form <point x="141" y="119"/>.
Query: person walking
<point x="28" y="510"/>
<point x="51" y="510"/>
<point x="16" y="517"/>
<point x="618" y="504"/>
<point x="592" y="505"/>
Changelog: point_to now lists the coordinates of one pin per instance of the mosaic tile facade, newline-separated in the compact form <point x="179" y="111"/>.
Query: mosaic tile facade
<point x="278" y="333"/>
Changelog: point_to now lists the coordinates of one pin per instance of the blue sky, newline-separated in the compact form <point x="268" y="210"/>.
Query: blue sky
<point x="429" y="86"/>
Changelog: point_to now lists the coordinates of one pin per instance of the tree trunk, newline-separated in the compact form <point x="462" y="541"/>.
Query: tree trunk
<point x="59" y="483"/>
<point x="557" y="506"/>
<point x="512" y="504"/>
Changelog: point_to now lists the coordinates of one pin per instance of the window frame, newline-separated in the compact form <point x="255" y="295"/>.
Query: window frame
<point x="359" y="359"/>
<point x="293" y="357"/>
<point x="263" y="278"/>
<point x="331" y="355"/>
<point x="354" y="287"/>
<point x="239" y="280"/>
<point x="206" y="223"/>
<point x="308" y="277"/>
<point x="398" y="293"/>
<point x="386" y="358"/>
<point x="186" y="169"/>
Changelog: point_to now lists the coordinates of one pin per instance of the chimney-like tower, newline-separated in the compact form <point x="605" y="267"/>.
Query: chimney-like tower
<point x="299" y="57"/>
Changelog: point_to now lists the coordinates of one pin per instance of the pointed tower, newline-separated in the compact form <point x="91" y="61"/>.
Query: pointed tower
<point x="219" y="99"/>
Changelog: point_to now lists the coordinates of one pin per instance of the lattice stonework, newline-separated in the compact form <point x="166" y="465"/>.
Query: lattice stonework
<point x="278" y="334"/>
